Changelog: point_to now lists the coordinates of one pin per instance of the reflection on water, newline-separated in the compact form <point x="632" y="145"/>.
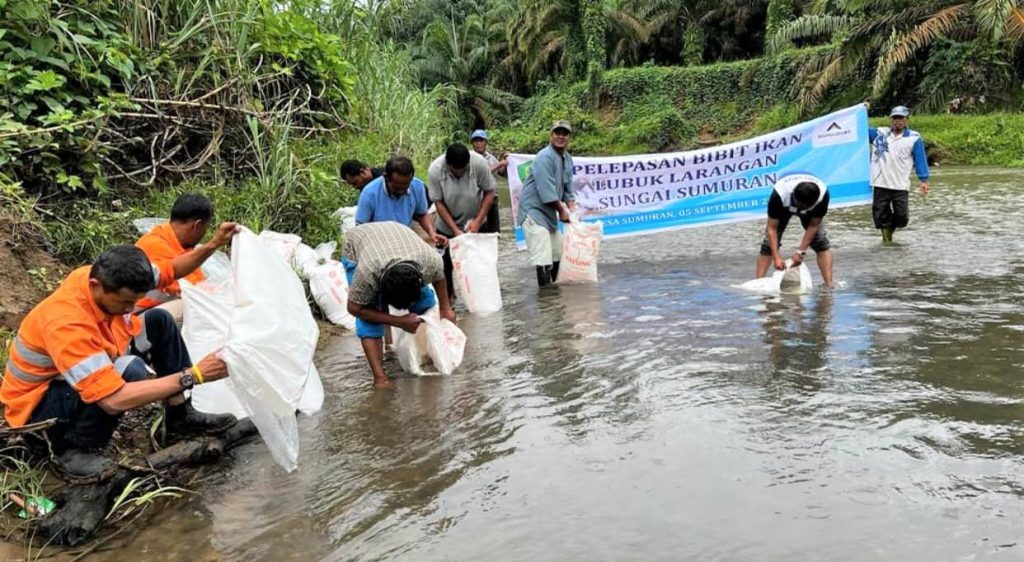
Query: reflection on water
<point x="662" y="415"/>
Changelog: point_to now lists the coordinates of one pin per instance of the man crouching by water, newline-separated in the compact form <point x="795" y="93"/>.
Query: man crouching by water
<point x="807" y="197"/>
<point x="387" y="264"/>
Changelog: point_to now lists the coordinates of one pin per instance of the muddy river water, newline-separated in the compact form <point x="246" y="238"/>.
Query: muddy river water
<point x="663" y="415"/>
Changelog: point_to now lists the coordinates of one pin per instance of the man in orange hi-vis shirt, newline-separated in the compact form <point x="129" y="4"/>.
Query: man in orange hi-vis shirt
<point x="190" y="219"/>
<point x="83" y="358"/>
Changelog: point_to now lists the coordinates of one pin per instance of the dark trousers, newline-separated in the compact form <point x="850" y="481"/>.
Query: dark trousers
<point x="87" y="426"/>
<point x="890" y="208"/>
<point x="449" y="268"/>
<point x="819" y="243"/>
<point x="491" y="224"/>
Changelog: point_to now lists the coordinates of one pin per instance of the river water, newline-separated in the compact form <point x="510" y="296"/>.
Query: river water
<point x="662" y="415"/>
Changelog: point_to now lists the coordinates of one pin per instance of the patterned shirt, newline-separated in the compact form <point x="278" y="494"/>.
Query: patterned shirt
<point x="375" y="246"/>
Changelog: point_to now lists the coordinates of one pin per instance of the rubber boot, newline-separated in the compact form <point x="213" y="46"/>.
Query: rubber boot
<point x="887" y="235"/>
<point x="84" y="467"/>
<point x="554" y="271"/>
<point x="184" y="420"/>
<point x="543" y="275"/>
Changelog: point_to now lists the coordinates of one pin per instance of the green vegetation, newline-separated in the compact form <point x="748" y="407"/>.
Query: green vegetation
<point x="113" y="107"/>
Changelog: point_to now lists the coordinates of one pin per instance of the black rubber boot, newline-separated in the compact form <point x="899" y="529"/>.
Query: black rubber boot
<point x="543" y="275"/>
<point x="83" y="467"/>
<point x="184" y="420"/>
<point x="554" y="271"/>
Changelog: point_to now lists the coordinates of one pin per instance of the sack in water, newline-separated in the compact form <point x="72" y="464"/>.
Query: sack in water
<point x="475" y="271"/>
<point x="792" y="281"/>
<point x="436" y="340"/>
<point x="580" y="246"/>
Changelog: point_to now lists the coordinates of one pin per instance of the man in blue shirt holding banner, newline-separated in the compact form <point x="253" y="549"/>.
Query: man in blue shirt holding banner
<point x="547" y="198"/>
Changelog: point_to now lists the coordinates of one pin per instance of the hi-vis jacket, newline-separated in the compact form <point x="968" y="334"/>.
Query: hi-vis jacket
<point x="67" y="335"/>
<point x="893" y="156"/>
<point x="161" y="246"/>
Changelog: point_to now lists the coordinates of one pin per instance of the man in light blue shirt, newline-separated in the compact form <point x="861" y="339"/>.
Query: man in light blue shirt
<point x="547" y="197"/>
<point x="895" y="151"/>
<point x="397" y="196"/>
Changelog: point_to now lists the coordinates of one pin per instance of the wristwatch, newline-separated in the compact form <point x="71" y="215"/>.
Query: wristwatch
<point x="187" y="380"/>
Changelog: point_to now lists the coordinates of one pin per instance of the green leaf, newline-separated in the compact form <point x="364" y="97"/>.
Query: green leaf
<point x="45" y="81"/>
<point x="42" y="46"/>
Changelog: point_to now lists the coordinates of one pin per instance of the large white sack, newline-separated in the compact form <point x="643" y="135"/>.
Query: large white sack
<point x="207" y="316"/>
<point x="581" y="243"/>
<point x="346" y="217"/>
<point x="792" y="280"/>
<point x="281" y="243"/>
<point x="268" y="346"/>
<point x="438" y="341"/>
<point x="329" y="286"/>
<point x="475" y="271"/>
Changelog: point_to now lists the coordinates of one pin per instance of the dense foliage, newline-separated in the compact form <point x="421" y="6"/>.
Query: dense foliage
<point x="110" y="107"/>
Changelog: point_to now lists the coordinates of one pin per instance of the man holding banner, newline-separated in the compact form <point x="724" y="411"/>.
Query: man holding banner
<point x="547" y="197"/>
<point x="807" y="197"/>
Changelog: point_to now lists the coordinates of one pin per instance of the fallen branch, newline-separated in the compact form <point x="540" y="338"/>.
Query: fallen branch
<point x="82" y="509"/>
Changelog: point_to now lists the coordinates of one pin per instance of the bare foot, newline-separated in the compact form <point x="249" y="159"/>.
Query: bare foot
<point x="383" y="384"/>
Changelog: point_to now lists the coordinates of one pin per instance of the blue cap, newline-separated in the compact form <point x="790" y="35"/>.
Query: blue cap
<point x="899" y="111"/>
<point x="478" y="134"/>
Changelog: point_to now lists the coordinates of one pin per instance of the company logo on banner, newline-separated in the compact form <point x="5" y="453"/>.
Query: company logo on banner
<point x="730" y="183"/>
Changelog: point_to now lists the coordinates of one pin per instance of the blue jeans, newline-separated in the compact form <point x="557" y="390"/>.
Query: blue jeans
<point x="366" y="329"/>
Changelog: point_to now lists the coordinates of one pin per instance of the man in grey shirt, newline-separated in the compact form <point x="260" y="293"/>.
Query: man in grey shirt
<point x="462" y="188"/>
<point x="387" y="264"/>
<point x="547" y="198"/>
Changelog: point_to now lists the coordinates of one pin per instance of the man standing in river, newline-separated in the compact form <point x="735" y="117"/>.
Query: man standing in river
<point x="462" y="188"/>
<point x="895" y="151"/>
<point x="479" y="140"/>
<point x="806" y="197"/>
<point x="547" y="197"/>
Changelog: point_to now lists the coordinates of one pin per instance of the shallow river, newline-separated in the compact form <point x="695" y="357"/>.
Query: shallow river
<point x="662" y="415"/>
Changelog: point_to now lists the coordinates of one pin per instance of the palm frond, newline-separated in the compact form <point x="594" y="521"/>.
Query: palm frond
<point x="905" y="46"/>
<point x="809" y="26"/>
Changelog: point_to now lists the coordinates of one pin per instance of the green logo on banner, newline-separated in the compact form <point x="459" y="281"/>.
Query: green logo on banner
<point x="524" y="170"/>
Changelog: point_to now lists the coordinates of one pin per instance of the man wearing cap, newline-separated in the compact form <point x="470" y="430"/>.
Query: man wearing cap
<point x="894" y="151"/>
<point x="807" y="197"/>
<point x="462" y="189"/>
<point x="479" y="139"/>
<point x="547" y="197"/>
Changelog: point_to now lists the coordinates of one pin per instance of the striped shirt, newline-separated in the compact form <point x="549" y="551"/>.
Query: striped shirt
<point x="375" y="246"/>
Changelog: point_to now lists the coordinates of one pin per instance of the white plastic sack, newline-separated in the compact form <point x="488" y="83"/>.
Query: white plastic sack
<point x="437" y="340"/>
<point x="146" y="224"/>
<point x="326" y="250"/>
<point x="347" y="217"/>
<point x="282" y="244"/>
<point x="475" y="271"/>
<point x="581" y="243"/>
<point x="217" y="268"/>
<point x="268" y="345"/>
<point x="793" y="280"/>
<point x="304" y="260"/>
<point x="329" y="286"/>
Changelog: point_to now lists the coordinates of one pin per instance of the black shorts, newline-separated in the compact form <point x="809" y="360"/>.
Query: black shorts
<point x="819" y="243"/>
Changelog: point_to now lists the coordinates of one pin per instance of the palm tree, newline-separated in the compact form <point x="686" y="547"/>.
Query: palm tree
<point x="886" y="36"/>
<point x="459" y="55"/>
